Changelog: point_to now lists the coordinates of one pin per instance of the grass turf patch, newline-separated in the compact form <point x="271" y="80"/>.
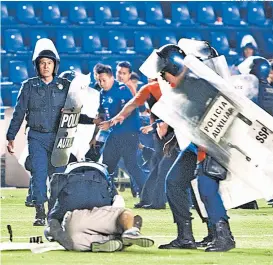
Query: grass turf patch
<point x="252" y="229"/>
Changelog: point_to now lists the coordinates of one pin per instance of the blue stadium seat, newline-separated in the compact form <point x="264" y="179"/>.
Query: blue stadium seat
<point x="6" y="90"/>
<point x="218" y="8"/>
<point x="51" y="13"/>
<point x="2" y="77"/>
<point x="113" y="63"/>
<point x="266" y="44"/>
<point x="91" y="65"/>
<point x="91" y="41"/>
<point x="65" y="42"/>
<point x="30" y="69"/>
<point x="231" y="14"/>
<point x="181" y="14"/>
<point x="129" y="14"/>
<point x="25" y="13"/>
<point x="78" y="14"/>
<point x="70" y="64"/>
<point x="18" y="71"/>
<point x="205" y="13"/>
<point x="167" y="38"/>
<point x="6" y="19"/>
<point x="14" y="41"/>
<point x="243" y="9"/>
<point x="36" y="35"/>
<point x="219" y="41"/>
<point x="117" y="42"/>
<point x="256" y="15"/>
<point x="103" y="13"/>
<point x="192" y="35"/>
<point x="143" y="42"/>
<point x="154" y="14"/>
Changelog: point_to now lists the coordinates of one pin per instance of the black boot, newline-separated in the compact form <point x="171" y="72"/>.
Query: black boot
<point x="224" y="241"/>
<point x="155" y="207"/>
<point x="139" y="204"/>
<point x="185" y="238"/>
<point x="40" y="215"/>
<point x="209" y="238"/>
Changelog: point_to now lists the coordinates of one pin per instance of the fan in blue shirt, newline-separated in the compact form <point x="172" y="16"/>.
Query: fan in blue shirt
<point x="111" y="103"/>
<point x="123" y="139"/>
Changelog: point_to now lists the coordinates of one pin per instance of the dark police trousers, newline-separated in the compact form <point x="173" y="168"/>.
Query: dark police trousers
<point x="80" y="190"/>
<point x="154" y="188"/>
<point x="40" y="146"/>
<point x="178" y="182"/>
<point x="123" y="145"/>
<point x="208" y="188"/>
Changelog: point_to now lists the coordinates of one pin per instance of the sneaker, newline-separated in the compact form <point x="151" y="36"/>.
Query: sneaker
<point x="39" y="222"/>
<point x="133" y="237"/>
<point x="107" y="246"/>
<point x="138" y="221"/>
<point x="40" y="215"/>
<point x="29" y="204"/>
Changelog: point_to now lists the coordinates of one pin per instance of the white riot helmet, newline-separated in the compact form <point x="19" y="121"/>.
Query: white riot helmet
<point x="45" y="48"/>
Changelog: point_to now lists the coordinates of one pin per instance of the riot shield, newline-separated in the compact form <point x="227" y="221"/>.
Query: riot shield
<point x="233" y="129"/>
<point x="69" y="121"/>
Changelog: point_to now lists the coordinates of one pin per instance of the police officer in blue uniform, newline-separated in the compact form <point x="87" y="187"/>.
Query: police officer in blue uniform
<point x="261" y="69"/>
<point x="178" y="180"/>
<point x="123" y="139"/>
<point x="83" y="185"/>
<point x="41" y="99"/>
<point x="248" y="48"/>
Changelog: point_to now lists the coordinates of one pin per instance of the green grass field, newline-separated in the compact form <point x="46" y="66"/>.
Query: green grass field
<point x="252" y="229"/>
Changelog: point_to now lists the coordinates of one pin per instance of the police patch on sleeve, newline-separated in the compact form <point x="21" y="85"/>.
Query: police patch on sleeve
<point x="60" y="86"/>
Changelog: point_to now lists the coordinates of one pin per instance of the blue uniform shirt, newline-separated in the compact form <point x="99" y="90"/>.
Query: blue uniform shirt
<point x="41" y="104"/>
<point x="112" y="102"/>
<point x="265" y="97"/>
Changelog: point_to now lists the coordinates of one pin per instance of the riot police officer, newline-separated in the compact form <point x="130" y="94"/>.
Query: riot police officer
<point x="41" y="100"/>
<point x="261" y="69"/>
<point x="170" y="65"/>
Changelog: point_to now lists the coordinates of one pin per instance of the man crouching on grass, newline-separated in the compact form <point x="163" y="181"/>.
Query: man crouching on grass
<point x="102" y="229"/>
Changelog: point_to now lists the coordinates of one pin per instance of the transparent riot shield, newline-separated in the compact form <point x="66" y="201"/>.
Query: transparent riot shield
<point x="208" y="110"/>
<point x="69" y="121"/>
